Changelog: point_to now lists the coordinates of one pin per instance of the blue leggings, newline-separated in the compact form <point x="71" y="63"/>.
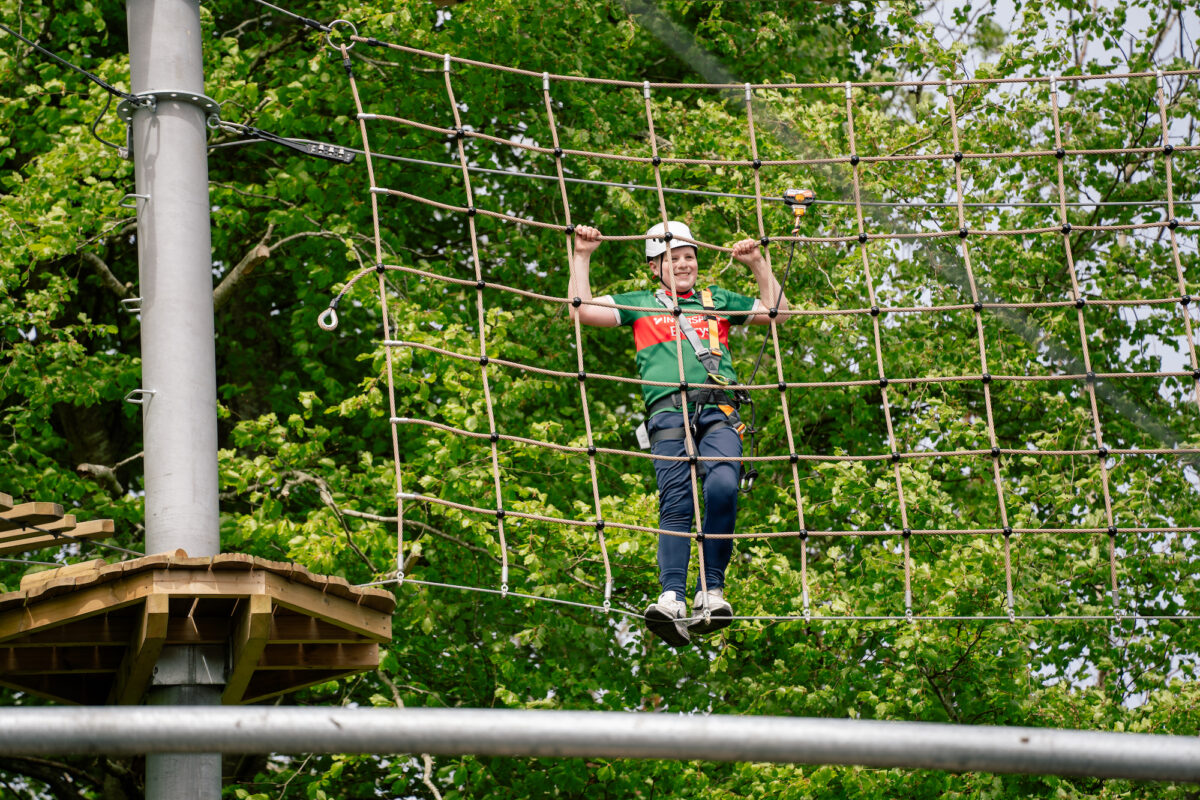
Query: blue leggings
<point x="675" y="510"/>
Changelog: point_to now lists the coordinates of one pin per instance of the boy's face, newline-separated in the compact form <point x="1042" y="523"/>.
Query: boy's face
<point x="682" y="262"/>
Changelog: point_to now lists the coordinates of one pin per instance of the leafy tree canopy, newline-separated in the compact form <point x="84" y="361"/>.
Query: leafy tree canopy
<point x="306" y="461"/>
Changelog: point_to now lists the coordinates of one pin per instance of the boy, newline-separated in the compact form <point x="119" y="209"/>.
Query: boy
<point x="672" y="261"/>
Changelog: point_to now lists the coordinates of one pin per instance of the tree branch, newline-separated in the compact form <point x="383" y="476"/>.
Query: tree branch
<point x="121" y="290"/>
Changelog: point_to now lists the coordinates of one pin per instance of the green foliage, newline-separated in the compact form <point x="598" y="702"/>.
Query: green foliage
<point x="307" y="471"/>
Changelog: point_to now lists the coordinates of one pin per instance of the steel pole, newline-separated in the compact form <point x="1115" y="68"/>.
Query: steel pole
<point x="175" y="266"/>
<point x="597" y="734"/>
<point x="179" y="380"/>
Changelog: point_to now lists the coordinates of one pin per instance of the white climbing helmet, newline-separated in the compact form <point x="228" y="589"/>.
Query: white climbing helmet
<point x="656" y="247"/>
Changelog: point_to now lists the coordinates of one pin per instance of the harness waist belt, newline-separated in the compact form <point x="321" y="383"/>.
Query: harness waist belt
<point x="707" y="396"/>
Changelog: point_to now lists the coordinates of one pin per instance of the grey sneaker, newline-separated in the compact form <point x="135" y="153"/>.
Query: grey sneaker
<point x="720" y="613"/>
<point x="667" y="619"/>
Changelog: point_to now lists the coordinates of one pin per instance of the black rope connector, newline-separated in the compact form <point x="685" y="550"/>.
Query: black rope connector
<point x="558" y="152"/>
<point x="853" y="159"/>
<point x="348" y="66"/>
<point x="676" y="311"/>
<point x="794" y="458"/>
<point x="1112" y="531"/>
<point x="699" y="537"/>
<point x="668" y="236"/>
<point x="1183" y="301"/>
<point x="495" y="437"/>
<point x="1066" y="227"/>
<point x="1102" y="451"/>
<point x="803" y="534"/>
<point x="1172" y="223"/>
<point x="577" y="301"/>
<point x="599" y="524"/>
<point x="995" y="452"/>
<point x="978" y="306"/>
<point x="470" y="211"/>
<point x="862" y="238"/>
<point x="1007" y="531"/>
<point x="1168" y="149"/>
<point x="895" y="457"/>
<point x="874" y="311"/>
<point x="459" y="133"/>
<point x="569" y="230"/>
<point x="1060" y="153"/>
<point x="773" y="313"/>
<point x="481" y="285"/>
<point x="693" y="459"/>
<point x="764" y="241"/>
<point x="483" y="360"/>
<point x="782" y="386"/>
<point x="757" y="164"/>
<point x="1196" y="374"/>
<point x="499" y="513"/>
<point x="986" y="378"/>
<point x="581" y="375"/>
<point x="1080" y="302"/>
<point x="379" y="266"/>
<point x="906" y="533"/>
<point x="1090" y="377"/>
<point x="656" y="161"/>
<point x="591" y="451"/>
<point x="963" y="232"/>
<point x="957" y="157"/>
<point x="882" y="381"/>
<point x="684" y="386"/>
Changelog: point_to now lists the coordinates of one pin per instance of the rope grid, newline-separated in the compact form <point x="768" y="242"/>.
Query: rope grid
<point x="1170" y="227"/>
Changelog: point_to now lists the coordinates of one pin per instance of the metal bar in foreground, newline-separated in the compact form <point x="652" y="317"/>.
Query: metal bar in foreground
<point x="596" y="734"/>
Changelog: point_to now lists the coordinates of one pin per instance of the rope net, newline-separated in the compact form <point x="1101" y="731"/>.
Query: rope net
<point x="906" y="474"/>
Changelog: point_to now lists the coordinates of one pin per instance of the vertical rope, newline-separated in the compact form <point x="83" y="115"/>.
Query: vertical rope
<point x="883" y="388"/>
<point x="1171" y="225"/>
<point x="1080" y="303"/>
<point x="993" y="443"/>
<point x="482" y="322"/>
<point x="689" y="441"/>
<point x="383" y="305"/>
<point x="587" y="419"/>
<point x="774" y="331"/>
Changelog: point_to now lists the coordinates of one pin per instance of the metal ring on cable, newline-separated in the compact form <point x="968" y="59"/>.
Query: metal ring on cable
<point x="329" y="41"/>
<point x="328" y="319"/>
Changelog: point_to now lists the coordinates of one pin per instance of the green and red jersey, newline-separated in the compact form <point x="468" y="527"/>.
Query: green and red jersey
<point x="655" y="334"/>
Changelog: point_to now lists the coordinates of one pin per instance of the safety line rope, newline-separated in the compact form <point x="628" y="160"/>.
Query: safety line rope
<point x="897" y="456"/>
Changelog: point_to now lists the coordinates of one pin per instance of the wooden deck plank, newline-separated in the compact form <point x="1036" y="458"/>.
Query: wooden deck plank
<point x="66" y="523"/>
<point x="29" y="514"/>
<point x="5" y="501"/>
<point x="36" y="540"/>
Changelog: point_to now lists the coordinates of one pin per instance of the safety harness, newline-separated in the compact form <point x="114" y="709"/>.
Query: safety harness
<point x="712" y="393"/>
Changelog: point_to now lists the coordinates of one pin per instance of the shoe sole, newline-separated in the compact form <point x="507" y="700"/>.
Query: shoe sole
<point x="664" y="627"/>
<point x="717" y="619"/>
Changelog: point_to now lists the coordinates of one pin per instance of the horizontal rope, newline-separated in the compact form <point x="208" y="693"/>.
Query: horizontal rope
<point x="787" y="534"/>
<point x="850" y="159"/>
<point x="740" y="87"/>
<point x="781" y="385"/>
<point x="860" y="237"/>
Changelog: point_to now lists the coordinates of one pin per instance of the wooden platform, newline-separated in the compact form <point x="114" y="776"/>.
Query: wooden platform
<point x="91" y="633"/>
